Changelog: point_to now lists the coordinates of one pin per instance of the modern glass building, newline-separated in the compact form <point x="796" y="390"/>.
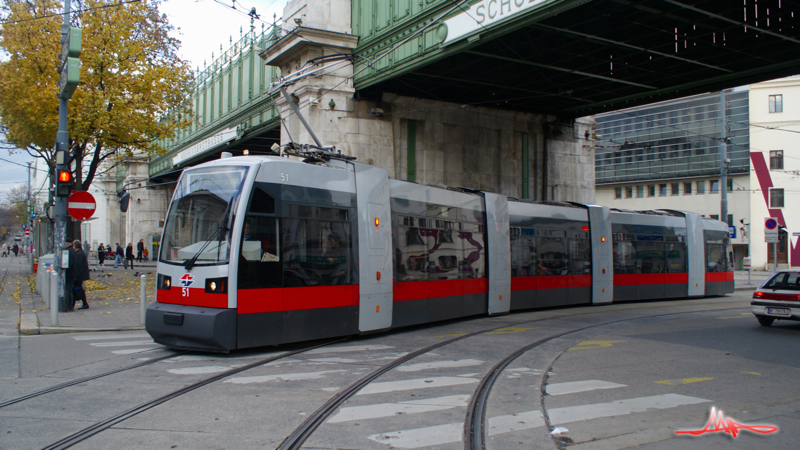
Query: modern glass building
<point x="672" y="140"/>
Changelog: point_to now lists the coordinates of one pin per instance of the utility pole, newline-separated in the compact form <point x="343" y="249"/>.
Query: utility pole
<point x="70" y="72"/>
<point x="723" y="157"/>
<point x="29" y="221"/>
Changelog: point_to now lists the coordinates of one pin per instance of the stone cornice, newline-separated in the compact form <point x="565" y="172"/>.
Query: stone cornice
<point x="300" y="39"/>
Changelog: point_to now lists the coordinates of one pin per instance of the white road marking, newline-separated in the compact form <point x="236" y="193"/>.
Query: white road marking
<point x="419" y="383"/>
<point x="579" y="386"/>
<point x="120" y="344"/>
<point x="468" y="375"/>
<point x="439" y="365"/>
<point x="514" y="422"/>
<point x="199" y="370"/>
<point x="421" y="437"/>
<point x="129" y="351"/>
<point x="91" y="337"/>
<point x="334" y="360"/>
<point x="282" y="376"/>
<point x="351" y="348"/>
<point x="391" y="409"/>
<point x="620" y="407"/>
<point x="453" y="432"/>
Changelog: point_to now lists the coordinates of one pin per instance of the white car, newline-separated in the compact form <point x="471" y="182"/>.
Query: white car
<point x="778" y="298"/>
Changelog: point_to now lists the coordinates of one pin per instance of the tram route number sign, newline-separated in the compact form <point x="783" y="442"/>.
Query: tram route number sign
<point x="771" y="230"/>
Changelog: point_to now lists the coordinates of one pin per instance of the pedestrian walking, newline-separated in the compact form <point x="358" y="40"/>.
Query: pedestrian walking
<point x="101" y="254"/>
<point x="129" y="255"/>
<point x="139" y="250"/>
<point x="15" y="249"/>
<point x="5" y="250"/>
<point x="81" y="274"/>
<point x="146" y="255"/>
<point x="120" y="255"/>
<point x="69" y="277"/>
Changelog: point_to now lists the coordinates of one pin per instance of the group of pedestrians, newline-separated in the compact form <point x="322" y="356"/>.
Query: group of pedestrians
<point x="14" y="248"/>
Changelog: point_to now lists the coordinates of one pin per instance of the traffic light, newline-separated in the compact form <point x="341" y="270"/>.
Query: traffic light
<point x="63" y="183"/>
<point x="782" y="233"/>
<point x="124" y="200"/>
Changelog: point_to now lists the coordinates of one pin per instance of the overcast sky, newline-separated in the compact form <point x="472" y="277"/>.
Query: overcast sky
<point x="203" y="24"/>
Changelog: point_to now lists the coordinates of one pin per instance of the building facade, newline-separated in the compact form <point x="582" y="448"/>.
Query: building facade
<point x="667" y="156"/>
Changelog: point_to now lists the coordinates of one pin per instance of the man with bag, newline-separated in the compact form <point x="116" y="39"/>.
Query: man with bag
<point x="81" y="274"/>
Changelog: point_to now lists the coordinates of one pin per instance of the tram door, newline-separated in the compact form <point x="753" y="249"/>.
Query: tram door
<point x="374" y="249"/>
<point x="499" y="247"/>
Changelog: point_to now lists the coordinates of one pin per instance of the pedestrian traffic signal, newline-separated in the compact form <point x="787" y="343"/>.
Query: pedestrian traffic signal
<point x="63" y="183"/>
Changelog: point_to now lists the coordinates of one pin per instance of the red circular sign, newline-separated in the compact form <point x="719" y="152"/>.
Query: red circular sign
<point x="80" y="205"/>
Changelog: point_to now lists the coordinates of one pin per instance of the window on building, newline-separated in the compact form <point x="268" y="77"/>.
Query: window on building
<point x="640" y="191"/>
<point x="730" y="220"/>
<point x="662" y="190"/>
<point x="628" y="191"/>
<point x="714" y="186"/>
<point x="618" y="192"/>
<point x="730" y="184"/>
<point x="714" y="216"/>
<point x="775" y="103"/>
<point x="776" y="159"/>
<point x="676" y="188"/>
<point x="687" y="188"/>
<point x="776" y="198"/>
<point x="651" y="190"/>
<point x="701" y="187"/>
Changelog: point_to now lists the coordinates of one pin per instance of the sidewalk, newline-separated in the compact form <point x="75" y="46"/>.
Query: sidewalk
<point x="756" y="279"/>
<point x="114" y="302"/>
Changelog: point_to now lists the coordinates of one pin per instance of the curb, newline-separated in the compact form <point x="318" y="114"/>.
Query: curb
<point x="752" y="287"/>
<point x="28" y="324"/>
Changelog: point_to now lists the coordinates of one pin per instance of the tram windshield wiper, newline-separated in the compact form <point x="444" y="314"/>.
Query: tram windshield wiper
<point x="223" y="228"/>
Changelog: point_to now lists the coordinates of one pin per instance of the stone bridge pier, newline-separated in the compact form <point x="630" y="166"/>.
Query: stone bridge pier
<point x="478" y="146"/>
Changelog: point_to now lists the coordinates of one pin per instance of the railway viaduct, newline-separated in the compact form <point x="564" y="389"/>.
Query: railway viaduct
<point x="487" y="94"/>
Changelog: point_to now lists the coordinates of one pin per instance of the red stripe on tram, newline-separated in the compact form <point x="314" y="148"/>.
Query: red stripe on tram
<point x="550" y="282"/>
<point x="718" y="277"/>
<point x="195" y="297"/>
<point x="417" y="290"/>
<point x="252" y="301"/>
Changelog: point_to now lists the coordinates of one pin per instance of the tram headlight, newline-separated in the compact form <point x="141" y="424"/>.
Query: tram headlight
<point x="164" y="282"/>
<point x="217" y="285"/>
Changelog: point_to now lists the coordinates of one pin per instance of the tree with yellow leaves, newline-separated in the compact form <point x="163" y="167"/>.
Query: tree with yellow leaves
<point x="131" y="76"/>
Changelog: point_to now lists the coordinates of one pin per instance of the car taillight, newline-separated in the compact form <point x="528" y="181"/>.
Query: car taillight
<point x="759" y="294"/>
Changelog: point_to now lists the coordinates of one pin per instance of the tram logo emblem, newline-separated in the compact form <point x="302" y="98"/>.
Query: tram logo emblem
<point x="187" y="279"/>
<point x="718" y="423"/>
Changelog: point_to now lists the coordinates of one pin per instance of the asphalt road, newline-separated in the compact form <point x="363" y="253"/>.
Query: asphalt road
<point x="627" y="376"/>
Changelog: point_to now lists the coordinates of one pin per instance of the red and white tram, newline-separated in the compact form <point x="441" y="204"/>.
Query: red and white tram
<point x="268" y="250"/>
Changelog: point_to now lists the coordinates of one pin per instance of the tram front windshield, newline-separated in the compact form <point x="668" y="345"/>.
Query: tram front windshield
<point x="197" y="224"/>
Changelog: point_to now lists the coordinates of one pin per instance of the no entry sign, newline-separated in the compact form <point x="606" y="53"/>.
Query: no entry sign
<point x="80" y="205"/>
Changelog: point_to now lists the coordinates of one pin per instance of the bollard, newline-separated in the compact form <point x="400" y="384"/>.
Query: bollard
<point x="54" y="299"/>
<point x="143" y="299"/>
<point x="45" y="288"/>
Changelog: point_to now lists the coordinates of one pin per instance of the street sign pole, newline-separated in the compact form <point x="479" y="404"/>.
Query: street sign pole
<point x="70" y="66"/>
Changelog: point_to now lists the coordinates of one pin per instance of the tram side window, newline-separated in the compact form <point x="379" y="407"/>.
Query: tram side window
<point x="317" y="252"/>
<point x="473" y="264"/>
<point x="716" y="259"/>
<point x="553" y="256"/>
<point x="259" y="257"/>
<point x="624" y="257"/>
<point x="675" y="253"/>
<point x="412" y="242"/>
<point x="580" y="259"/>
<point x="523" y="252"/>
<point x="650" y="257"/>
